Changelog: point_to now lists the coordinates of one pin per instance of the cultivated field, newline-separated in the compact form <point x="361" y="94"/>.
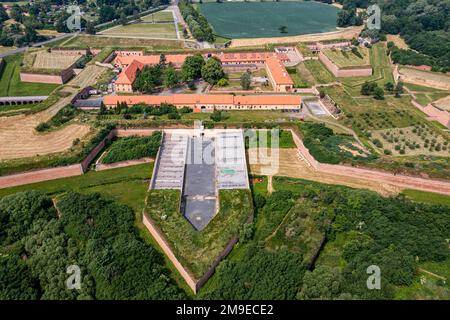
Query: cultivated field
<point x="348" y="59"/>
<point x="143" y="30"/>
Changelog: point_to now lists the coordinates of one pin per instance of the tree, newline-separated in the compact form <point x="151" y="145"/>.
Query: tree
<point x="398" y="89"/>
<point x="90" y="28"/>
<point x="389" y="87"/>
<point x="212" y="71"/>
<point x="322" y="283"/>
<point x="368" y="88"/>
<point x="123" y="19"/>
<point x="246" y="81"/>
<point x="3" y="14"/>
<point x="378" y="93"/>
<point x="172" y="77"/>
<point x="192" y="67"/>
<point x="16" y="281"/>
<point x="148" y="79"/>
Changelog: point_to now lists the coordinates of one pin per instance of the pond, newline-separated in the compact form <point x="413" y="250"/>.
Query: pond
<point x="269" y="19"/>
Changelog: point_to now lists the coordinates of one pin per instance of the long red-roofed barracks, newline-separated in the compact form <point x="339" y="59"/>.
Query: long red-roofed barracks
<point x="210" y="102"/>
<point x="273" y="63"/>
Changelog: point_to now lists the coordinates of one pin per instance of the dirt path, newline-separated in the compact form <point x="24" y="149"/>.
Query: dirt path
<point x="18" y="136"/>
<point x="291" y="165"/>
<point x="269" y="184"/>
<point x="347" y="33"/>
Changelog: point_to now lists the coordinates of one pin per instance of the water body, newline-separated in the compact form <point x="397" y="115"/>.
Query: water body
<point x="264" y="19"/>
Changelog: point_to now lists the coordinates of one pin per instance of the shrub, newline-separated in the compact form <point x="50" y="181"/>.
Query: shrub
<point x="133" y="147"/>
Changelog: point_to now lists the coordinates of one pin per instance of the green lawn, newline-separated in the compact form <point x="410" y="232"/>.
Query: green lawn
<point x="347" y="59"/>
<point x="242" y="116"/>
<point x="11" y="86"/>
<point x="285" y="140"/>
<point x="299" y="81"/>
<point x="427" y="197"/>
<point x="143" y="30"/>
<point x="419" y="88"/>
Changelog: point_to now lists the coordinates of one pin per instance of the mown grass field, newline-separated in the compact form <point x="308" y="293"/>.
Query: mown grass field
<point x="143" y="30"/>
<point x="11" y="86"/>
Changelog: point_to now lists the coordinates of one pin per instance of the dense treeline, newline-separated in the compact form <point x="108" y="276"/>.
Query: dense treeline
<point x="96" y="234"/>
<point x="199" y="26"/>
<point x="424" y="24"/>
<point x="394" y="234"/>
<point x="133" y="147"/>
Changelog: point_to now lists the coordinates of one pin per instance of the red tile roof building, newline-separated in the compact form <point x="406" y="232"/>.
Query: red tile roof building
<point x="130" y="62"/>
<point x="210" y="102"/>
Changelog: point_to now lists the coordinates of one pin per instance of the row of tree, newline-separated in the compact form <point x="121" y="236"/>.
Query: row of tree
<point x="199" y="26"/>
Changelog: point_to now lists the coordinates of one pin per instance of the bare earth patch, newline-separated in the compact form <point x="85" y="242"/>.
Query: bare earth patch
<point x="290" y="165"/>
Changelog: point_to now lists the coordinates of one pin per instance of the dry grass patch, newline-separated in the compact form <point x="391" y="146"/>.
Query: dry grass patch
<point x="398" y="41"/>
<point x="425" y="78"/>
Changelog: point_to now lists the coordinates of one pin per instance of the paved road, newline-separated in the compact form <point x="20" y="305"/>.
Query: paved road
<point x="38" y="44"/>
